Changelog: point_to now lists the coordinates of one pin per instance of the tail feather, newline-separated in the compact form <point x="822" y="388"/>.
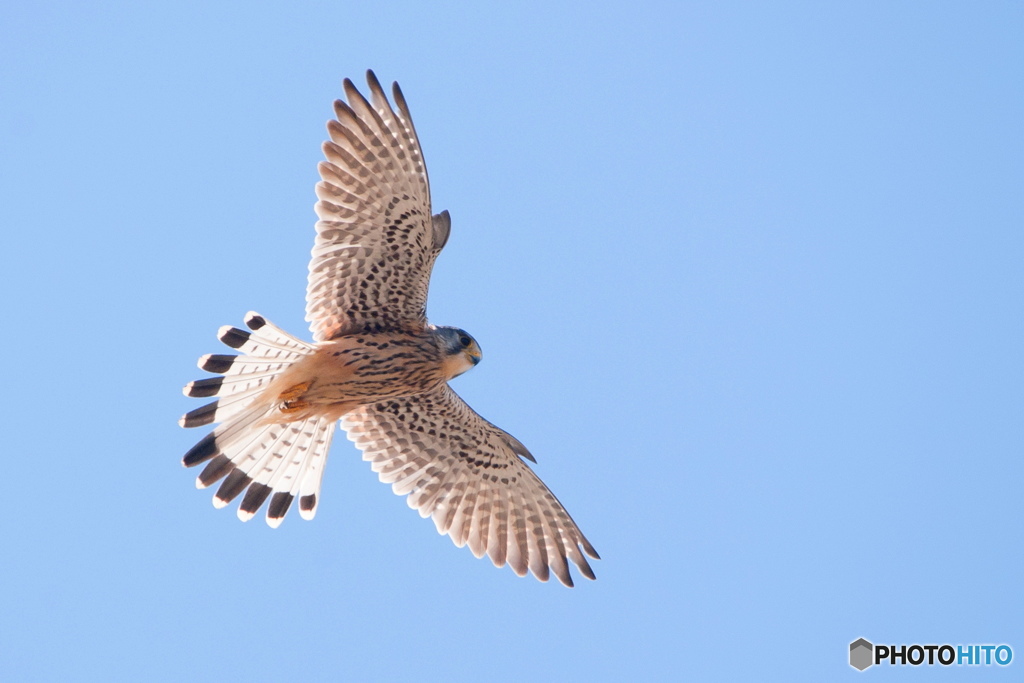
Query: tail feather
<point x="230" y="366"/>
<point x="265" y="340"/>
<point x="221" y="410"/>
<point x="309" y="482"/>
<point x="277" y="458"/>
<point x="309" y="442"/>
<point x="271" y="334"/>
<point x="254" y="499"/>
<point x="233" y="484"/>
<point x="247" y="452"/>
<point x="214" y="471"/>
<point x="225" y="386"/>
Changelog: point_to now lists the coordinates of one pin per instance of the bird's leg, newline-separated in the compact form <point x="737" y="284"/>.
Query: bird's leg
<point x="290" y="398"/>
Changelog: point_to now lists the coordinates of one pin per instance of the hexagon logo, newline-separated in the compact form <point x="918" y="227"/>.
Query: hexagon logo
<point x="862" y="654"/>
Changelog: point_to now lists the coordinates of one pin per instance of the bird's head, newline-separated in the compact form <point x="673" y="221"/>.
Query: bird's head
<point x="461" y="352"/>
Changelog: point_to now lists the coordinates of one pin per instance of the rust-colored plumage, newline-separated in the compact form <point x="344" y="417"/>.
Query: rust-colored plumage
<point x="378" y="366"/>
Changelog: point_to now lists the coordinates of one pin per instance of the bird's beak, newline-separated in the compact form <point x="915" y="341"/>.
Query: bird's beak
<point x="475" y="354"/>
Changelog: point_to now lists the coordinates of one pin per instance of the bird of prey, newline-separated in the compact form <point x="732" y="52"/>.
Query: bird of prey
<point x="376" y="365"/>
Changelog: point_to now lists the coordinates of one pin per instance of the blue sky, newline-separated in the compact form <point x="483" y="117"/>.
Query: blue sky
<point x="748" y="281"/>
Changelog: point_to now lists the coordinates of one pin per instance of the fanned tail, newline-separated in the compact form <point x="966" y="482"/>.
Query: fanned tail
<point x="265" y="459"/>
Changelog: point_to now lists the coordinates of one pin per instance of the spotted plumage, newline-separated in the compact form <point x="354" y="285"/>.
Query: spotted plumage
<point x="377" y="365"/>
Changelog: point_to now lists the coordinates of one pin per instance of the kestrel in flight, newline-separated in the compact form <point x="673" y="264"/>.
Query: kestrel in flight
<point x="378" y="366"/>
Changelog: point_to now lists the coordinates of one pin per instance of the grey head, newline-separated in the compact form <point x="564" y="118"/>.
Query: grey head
<point x="461" y="350"/>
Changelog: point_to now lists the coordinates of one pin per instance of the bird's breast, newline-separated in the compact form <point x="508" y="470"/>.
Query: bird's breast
<point x="359" y="369"/>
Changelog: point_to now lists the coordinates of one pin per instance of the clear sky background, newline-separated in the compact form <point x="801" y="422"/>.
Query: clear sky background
<point x="749" y="282"/>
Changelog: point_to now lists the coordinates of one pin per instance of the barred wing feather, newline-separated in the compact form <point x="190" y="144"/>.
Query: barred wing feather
<point x="376" y="240"/>
<point x="469" y="476"/>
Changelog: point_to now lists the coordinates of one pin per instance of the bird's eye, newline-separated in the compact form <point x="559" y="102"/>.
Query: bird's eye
<point x="465" y="341"/>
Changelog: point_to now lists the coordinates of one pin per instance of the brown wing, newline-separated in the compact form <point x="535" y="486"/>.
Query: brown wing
<point x="376" y="240"/>
<point x="467" y="474"/>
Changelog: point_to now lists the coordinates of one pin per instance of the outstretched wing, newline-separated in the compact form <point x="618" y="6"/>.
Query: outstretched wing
<point x="468" y="475"/>
<point x="376" y="241"/>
